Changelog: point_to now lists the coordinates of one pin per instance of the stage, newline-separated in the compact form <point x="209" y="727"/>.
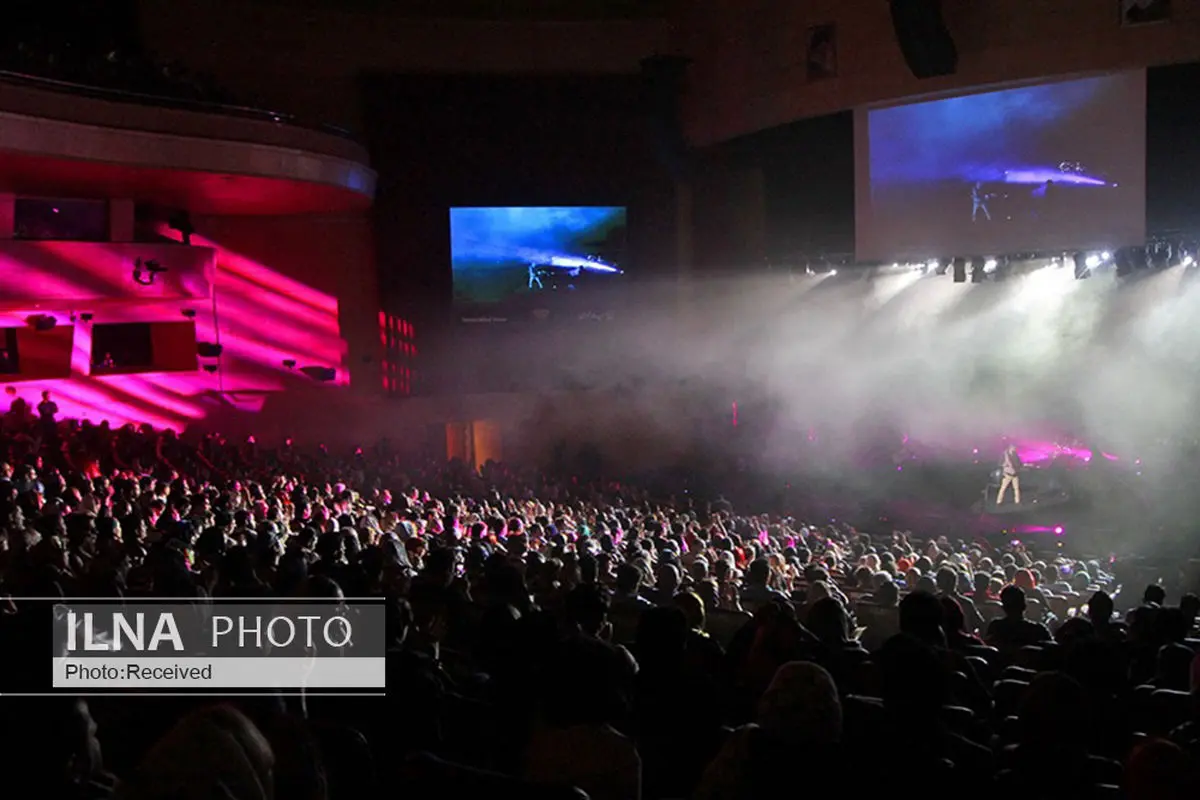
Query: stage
<point x="1041" y="489"/>
<point x="1071" y="499"/>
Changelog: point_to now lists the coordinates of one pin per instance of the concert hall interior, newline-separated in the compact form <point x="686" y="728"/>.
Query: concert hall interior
<point x="930" y="269"/>
<point x="665" y="398"/>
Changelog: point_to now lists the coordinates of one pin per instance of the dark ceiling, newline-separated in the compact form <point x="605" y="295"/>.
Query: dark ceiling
<point x="549" y="10"/>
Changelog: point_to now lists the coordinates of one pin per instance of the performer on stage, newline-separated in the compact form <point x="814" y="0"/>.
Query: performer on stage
<point x="535" y="277"/>
<point x="979" y="200"/>
<point x="1011" y="469"/>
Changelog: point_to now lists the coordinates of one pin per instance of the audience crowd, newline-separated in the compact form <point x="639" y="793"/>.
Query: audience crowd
<point x="550" y="637"/>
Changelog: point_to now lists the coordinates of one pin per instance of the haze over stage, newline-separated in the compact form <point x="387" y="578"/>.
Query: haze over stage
<point x="576" y="263"/>
<point x="1052" y="166"/>
<point x="1057" y="175"/>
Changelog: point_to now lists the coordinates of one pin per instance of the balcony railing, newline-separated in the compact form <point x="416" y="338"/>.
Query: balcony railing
<point x="177" y="103"/>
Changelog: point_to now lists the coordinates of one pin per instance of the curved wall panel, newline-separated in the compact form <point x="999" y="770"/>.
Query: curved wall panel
<point x="48" y="99"/>
<point x="39" y="137"/>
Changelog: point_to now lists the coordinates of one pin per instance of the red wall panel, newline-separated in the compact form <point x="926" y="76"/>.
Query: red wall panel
<point x="44" y="355"/>
<point x="174" y="346"/>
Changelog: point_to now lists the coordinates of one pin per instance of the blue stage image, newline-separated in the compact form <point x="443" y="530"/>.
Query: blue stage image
<point x="504" y="254"/>
<point x="1050" y="165"/>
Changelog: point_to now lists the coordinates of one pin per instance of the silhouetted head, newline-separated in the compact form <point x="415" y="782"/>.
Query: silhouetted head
<point x="1012" y="599"/>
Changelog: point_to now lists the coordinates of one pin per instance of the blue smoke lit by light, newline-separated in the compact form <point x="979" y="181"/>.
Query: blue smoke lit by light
<point x="981" y="137"/>
<point x="563" y="237"/>
<point x="1036" y="176"/>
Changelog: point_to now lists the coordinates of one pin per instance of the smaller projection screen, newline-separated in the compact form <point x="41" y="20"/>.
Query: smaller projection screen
<point x="511" y="261"/>
<point x="1051" y="166"/>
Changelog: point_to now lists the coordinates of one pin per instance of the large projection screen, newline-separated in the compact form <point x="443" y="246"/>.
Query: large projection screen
<point x="1034" y="168"/>
<point x="524" y="257"/>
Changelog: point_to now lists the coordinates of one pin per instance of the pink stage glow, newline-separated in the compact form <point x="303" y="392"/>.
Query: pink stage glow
<point x="1038" y="452"/>
<point x="1034" y="451"/>
<point x="259" y="317"/>
<point x="1030" y="530"/>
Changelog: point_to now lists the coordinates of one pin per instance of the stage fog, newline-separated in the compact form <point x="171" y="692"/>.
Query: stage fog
<point x="863" y="359"/>
<point x="1042" y="355"/>
<point x="1109" y="364"/>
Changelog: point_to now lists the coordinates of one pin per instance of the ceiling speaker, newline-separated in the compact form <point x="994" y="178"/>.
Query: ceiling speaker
<point x="924" y="40"/>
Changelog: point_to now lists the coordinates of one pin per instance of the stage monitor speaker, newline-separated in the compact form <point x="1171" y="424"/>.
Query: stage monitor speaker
<point x="924" y="40"/>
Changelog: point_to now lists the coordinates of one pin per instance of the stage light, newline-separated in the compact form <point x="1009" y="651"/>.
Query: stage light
<point x="1058" y="531"/>
<point x="833" y="272"/>
<point x="989" y="265"/>
<point x="1105" y="256"/>
<point x="1188" y="261"/>
<point x="1092" y="261"/>
<point x="1082" y="270"/>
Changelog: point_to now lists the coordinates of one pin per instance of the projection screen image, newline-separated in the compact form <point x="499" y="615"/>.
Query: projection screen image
<point x="505" y="255"/>
<point x="1054" y="166"/>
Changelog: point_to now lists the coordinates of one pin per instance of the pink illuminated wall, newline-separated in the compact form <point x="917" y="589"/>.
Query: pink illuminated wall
<point x="277" y="295"/>
<point x="78" y="275"/>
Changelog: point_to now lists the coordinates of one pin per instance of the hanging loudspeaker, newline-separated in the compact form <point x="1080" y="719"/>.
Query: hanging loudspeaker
<point x="924" y="40"/>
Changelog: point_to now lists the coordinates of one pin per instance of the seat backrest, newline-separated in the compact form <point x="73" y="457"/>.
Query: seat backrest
<point x="1169" y="709"/>
<point x="958" y="718"/>
<point x="1008" y="694"/>
<point x="349" y="764"/>
<point x="425" y="775"/>
<point x="1017" y="674"/>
